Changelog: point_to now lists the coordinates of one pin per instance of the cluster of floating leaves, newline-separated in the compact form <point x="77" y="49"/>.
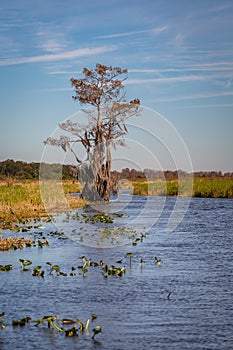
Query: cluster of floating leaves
<point x="6" y="267"/>
<point x="70" y="327"/>
<point x="78" y="327"/>
<point x="94" y="218"/>
<point x="55" y="269"/>
<point x="106" y="231"/>
<point x="39" y="239"/>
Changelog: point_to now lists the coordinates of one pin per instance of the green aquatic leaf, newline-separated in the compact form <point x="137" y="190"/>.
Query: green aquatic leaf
<point x="25" y="262"/>
<point x="55" y="268"/>
<point x="55" y="326"/>
<point x="72" y="332"/>
<point x="62" y="273"/>
<point x="6" y="267"/>
<point x="93" y="316"/>
<point x="22" y="322"/>
<point x="37" y="271"/>
<point x="96" y="330"/>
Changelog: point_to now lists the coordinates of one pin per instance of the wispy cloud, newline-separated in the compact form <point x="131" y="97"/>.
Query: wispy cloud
<point x="228" y="84"/>
<point x="58" y="56"/>
<point x="52" y="46"/>
<point x="216" y="105"/>
<point x="186" y="78"/>
<point x="156" y="70"/>
<point x="155" y="31"/>
<point x="195" y="96"/>
<point x="210" y="66"/>
<point x="62" y="89"/>
<point x="63" y="72"/>
<point x="220" y="8"/>
<point x="51" y="40"/>
<point x="7" y="26"/>
<point x="214" y="64"/>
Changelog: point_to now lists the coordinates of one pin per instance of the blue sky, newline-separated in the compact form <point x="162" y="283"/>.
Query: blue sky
<point x="179" y="55"/>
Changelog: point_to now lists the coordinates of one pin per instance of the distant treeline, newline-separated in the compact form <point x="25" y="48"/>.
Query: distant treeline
<point x="19" y="170"/>
<point x="168" y="175"/>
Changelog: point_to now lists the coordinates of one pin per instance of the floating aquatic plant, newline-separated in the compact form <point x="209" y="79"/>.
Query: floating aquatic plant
<point x="25" y="263"/>
<point x="113" y="270"/>
<point x="22" y="322"/>
<point x="57" y="269"/>
<point x="72" y="332"/>
<point x="50" y="322"/>
<point x="37" y="271"/>
<point x="157" y="261"/>
<point x="42" y="244"/>
<point x="95" y="331"/>
<point x="73" y="274"/>
<point x="68" y="321"/>
<point x="93" y="317"/>
<point x="130" y="255"/>
<point x="105" y="218"/>
<point x="141" y="262"/>
<point x="6" y="267"/>
<point x="53" y="322"/>
<point x="1" y="320"/>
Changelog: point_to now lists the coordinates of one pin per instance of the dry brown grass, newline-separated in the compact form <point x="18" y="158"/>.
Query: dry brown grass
<point x="23" y="201"/>
<point x="14" y="243"/>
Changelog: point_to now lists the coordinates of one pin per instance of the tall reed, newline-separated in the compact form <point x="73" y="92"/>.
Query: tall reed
<point x="205" y="188"/>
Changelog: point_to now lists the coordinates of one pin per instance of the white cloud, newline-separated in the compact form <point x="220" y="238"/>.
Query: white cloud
<point x="58" y="56"/>
<point x="195" y="96"/>
<point x="62" y="89"/>
<point x="155" y="31"/>
<point x="51" y="46"/>
<point x="187" y="78"/>
<point x="220" y="8"/>
<point x="165" y="70"/>
<point x="175" y="70"/>
<point x="51" y="40"/>
<point x="228" y="84"/>
<point x="179" y="40"/>
<point x="63" y="72"/>
<point x="214" y="64"/>
<point x="216" y="105"/>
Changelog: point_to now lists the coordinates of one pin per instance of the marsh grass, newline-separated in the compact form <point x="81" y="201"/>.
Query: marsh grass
<point x="23" y="201"/>
<point x="216" y="188"/>
<point x="204" y="188"/>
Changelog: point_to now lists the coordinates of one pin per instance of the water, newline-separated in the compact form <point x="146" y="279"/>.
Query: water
<point x="133" y="310"/>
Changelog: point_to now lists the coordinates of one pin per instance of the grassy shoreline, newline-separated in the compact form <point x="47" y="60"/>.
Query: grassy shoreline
<point x="202" y="188"/>
<point x="22" y="201"/>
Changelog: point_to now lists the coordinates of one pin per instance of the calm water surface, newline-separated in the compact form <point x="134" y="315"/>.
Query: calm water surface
<point x="133" y="310"/>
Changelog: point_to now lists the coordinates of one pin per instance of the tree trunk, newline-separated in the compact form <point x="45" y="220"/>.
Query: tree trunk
<point x="86" y="178"/>
<point x="95" y="176"/>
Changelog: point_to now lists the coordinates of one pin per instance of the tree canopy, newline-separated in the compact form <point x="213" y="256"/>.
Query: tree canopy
<point x="101" y="89"/>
